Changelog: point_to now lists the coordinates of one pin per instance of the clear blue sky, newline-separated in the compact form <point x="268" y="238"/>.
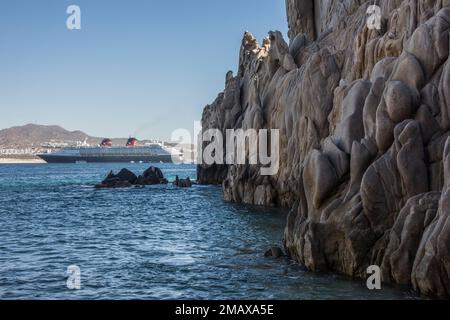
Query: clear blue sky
<point x="137" y="67"/>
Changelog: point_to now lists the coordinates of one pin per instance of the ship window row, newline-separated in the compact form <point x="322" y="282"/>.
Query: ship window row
<point x="119" y="151"/>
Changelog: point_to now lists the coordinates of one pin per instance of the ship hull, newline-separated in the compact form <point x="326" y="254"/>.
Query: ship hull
<point x="49" y="158"/>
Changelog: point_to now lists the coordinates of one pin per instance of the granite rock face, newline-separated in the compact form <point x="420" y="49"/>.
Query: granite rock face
<point x="364" y="120"/>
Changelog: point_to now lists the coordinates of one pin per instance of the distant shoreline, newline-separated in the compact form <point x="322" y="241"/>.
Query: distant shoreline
<point x="21" y="161"/>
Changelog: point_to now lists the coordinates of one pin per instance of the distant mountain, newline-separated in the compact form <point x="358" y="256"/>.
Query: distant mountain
<point x="33" y="135"/>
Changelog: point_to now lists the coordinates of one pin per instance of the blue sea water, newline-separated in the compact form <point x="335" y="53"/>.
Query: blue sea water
<point x="157" y="242"/>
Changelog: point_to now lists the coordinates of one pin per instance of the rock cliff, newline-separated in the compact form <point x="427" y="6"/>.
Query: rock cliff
<point x="364" y="120"/>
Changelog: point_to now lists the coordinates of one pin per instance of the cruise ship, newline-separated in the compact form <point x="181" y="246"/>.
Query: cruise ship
<point x="154" y="152"/>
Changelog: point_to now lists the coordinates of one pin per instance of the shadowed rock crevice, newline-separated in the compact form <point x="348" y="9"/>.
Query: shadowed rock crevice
<point x="364" y="120"/>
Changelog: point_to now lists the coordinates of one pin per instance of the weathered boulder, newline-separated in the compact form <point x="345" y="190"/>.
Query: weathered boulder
<point x="125" y="178"/>
<point x="405" y="237"/>
<point x="431" y="268"/>
<point x="151" y="176"/>
<point x="127" y="175"/>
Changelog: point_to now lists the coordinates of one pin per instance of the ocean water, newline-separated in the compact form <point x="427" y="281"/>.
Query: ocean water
<point x="157" y="242"/>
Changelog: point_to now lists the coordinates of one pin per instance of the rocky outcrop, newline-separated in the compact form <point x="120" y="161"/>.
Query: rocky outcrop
<point x="364" y="120"/>
<point x="151" y="176"/>
<point x="125" y="178"/>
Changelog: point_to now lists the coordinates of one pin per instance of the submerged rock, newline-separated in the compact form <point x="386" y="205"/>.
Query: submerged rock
<point x="275" y="252"/>
<point x="364" y="121"/>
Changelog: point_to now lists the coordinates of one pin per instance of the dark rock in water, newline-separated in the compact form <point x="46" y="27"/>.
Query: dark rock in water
<point x="182" y="183"/>
<point x="127" y="175"/>
<point x="125" y="178"/>
<point x="153" y="173"/>
<point x="274" y="252"/>
<point x="151" y="176"/>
